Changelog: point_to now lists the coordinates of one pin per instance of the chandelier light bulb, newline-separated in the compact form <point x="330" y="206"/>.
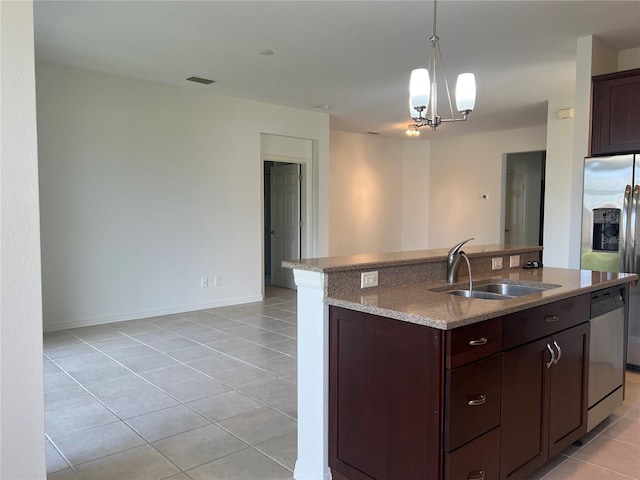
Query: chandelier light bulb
<point x="419" y="88"/>
<point x="466" y="92"/>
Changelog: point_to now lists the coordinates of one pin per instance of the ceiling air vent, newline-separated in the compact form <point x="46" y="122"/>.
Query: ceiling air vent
<point x="204" y="81"/>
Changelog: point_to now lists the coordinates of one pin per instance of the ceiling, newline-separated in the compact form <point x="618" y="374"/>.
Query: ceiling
<point x="354" y="56"/>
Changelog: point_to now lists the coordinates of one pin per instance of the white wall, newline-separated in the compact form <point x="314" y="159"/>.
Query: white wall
<point x="461" y="170"/>
<point x="22" y="453"/>
<point x="628" y="59"/>
<point x="415" y="194"/>
<point x="146" y="188"/>
<point x="558" y="186"/>
<point x="366" y="194"/>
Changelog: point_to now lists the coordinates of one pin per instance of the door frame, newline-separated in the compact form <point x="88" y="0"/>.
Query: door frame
<point x="306" y="205"/>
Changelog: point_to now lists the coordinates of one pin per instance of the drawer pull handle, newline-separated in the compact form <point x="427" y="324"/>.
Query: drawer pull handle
<point x="479" y="341"/>
<point x="477" y="475"/>
<point x="553" y="357"/>
<point x="477" y="400"/>
<point x="559" y="352"/>
<point x="552" y="318"/>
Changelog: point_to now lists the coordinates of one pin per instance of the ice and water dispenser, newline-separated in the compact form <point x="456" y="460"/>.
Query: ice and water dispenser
<point x="606" y="229"/>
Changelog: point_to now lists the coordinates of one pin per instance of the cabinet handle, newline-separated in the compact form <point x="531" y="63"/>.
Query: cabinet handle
<point x="477" y="475"/>
<point x="479" y="341"/>
<point x="553" y="357"/>
<point x="559" y="352"/>
<point x="477" y="400"/>
<point x="552" y="318"/>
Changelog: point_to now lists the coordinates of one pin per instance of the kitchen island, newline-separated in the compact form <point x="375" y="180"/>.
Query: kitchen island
<point x="398" y="358"/>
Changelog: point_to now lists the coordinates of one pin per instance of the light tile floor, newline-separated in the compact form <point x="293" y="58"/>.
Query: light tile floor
<point x="201" y="395"/>
<point x="212" y="395"/>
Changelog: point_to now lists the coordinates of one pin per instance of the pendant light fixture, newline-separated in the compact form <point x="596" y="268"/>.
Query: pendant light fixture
<point x="423" y="90"/>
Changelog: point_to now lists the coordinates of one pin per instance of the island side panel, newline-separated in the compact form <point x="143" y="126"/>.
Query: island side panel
<point x="313" y="377"/>
<point x="385" y="398"/>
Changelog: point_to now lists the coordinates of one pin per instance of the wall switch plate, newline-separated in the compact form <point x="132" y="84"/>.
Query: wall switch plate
<point x="514" y="261"/>
<point x="496" y="263"/>
<point x="217" y="281"/>
<point x="204" y="282"/>
<point x="368" y="279"/>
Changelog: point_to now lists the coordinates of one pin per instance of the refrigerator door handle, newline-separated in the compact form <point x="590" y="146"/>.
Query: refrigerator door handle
<point x="626" y="260"/>
<point x="633" y="228"/>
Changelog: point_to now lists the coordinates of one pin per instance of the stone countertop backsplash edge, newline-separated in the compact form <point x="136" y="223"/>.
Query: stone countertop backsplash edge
<point x="427" y="304"/>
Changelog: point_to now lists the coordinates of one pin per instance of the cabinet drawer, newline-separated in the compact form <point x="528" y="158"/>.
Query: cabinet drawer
<point x="472" y="401"/>
<point x="522" y="327"/>
<point x="473" y="342"/>
<point x="478" y="460"/>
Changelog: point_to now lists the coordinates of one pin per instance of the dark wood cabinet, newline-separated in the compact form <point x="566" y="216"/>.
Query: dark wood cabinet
<point x="615" y="121"/>
<point x="385" y="398"/>
<point x="491" y="400"/>
<point x="544" y="407"/>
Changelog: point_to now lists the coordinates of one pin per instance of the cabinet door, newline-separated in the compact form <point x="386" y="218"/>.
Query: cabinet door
<point x="385" y="398"/>
<point x="616" y="113"/>
<point x="525" y="407"/>
<point x="568" y="403"/>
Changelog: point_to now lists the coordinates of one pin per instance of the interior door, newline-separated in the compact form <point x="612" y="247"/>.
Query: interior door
<point x="285" y="222"/>
<point x="514" y="209"/>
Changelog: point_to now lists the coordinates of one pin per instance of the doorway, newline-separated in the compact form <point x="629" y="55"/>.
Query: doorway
<point x="523" y="200"/>
<point x="284" y="220"/>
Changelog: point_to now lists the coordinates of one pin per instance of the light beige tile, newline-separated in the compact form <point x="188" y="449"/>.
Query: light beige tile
<point x="283" y="449"/>
<point x="545" y="470"/>
<point x="58" y="381"/>
<point x="195" y="388"/>
<point x="66" y="474"/>
<point x="165" y="423"/>
<point x="167" y="375"/>
<point x="140" y="403"/>
<point x="575" y="470"/>
<point x="148" y="362"/>
<point x="141" y="463"/>
<point x="87" y="445"/>
<point x="66" y="398"/>
<point x="245" y="465"/>
<point x="613" y="455"/>
<point x="271" y="391"/>
<point x="242" y="375"/>
<point x="216" y="364"/>
<point x="625" y="430"/>
<point x="190" y="354"/>
<point x="55" y="461"/>
<point x="77" y="418"/>
<point x="225" y="405"/>
<point x="259" y="426"/>
<point x="199" y="446"/>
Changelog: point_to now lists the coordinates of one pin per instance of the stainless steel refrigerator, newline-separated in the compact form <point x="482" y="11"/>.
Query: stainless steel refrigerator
<point x="610" y="228"/>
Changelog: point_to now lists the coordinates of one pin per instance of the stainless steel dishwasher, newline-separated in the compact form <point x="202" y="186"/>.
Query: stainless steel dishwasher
<point x="606" y="354"/>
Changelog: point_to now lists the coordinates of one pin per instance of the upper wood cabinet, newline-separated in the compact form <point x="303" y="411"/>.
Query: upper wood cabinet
<point x="615" y="123"/>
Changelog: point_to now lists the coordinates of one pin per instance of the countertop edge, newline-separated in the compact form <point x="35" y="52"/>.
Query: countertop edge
<point x="515" y="305"/>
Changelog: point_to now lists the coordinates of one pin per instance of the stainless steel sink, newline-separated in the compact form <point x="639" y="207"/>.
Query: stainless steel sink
<point x="500" y="291"/>
<point x="509" y="289"/>
<point x="478" y="294"/>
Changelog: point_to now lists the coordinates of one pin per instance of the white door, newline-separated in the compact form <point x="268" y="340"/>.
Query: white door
<point x="514" y="209"/>
<point x="285" y="222"/>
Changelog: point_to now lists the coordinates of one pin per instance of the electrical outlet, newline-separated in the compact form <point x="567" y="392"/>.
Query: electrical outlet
<point x="496" y="263"/>
<point x="204" y="282"/>
<point x="217" y="281"/>
<point x="514" y="261"/>
<point x="368" y="279"/>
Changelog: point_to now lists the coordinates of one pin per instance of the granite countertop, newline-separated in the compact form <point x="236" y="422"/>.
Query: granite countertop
<point x="420" y="304"/>
<point x="375" y="260"/>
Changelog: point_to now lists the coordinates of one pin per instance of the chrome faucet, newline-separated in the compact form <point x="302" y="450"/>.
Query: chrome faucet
<point x="453" y="261"/>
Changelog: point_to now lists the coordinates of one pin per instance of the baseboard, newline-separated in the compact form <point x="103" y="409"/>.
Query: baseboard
<point x="122" y="317"/>
<point x="304" y="472"/>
